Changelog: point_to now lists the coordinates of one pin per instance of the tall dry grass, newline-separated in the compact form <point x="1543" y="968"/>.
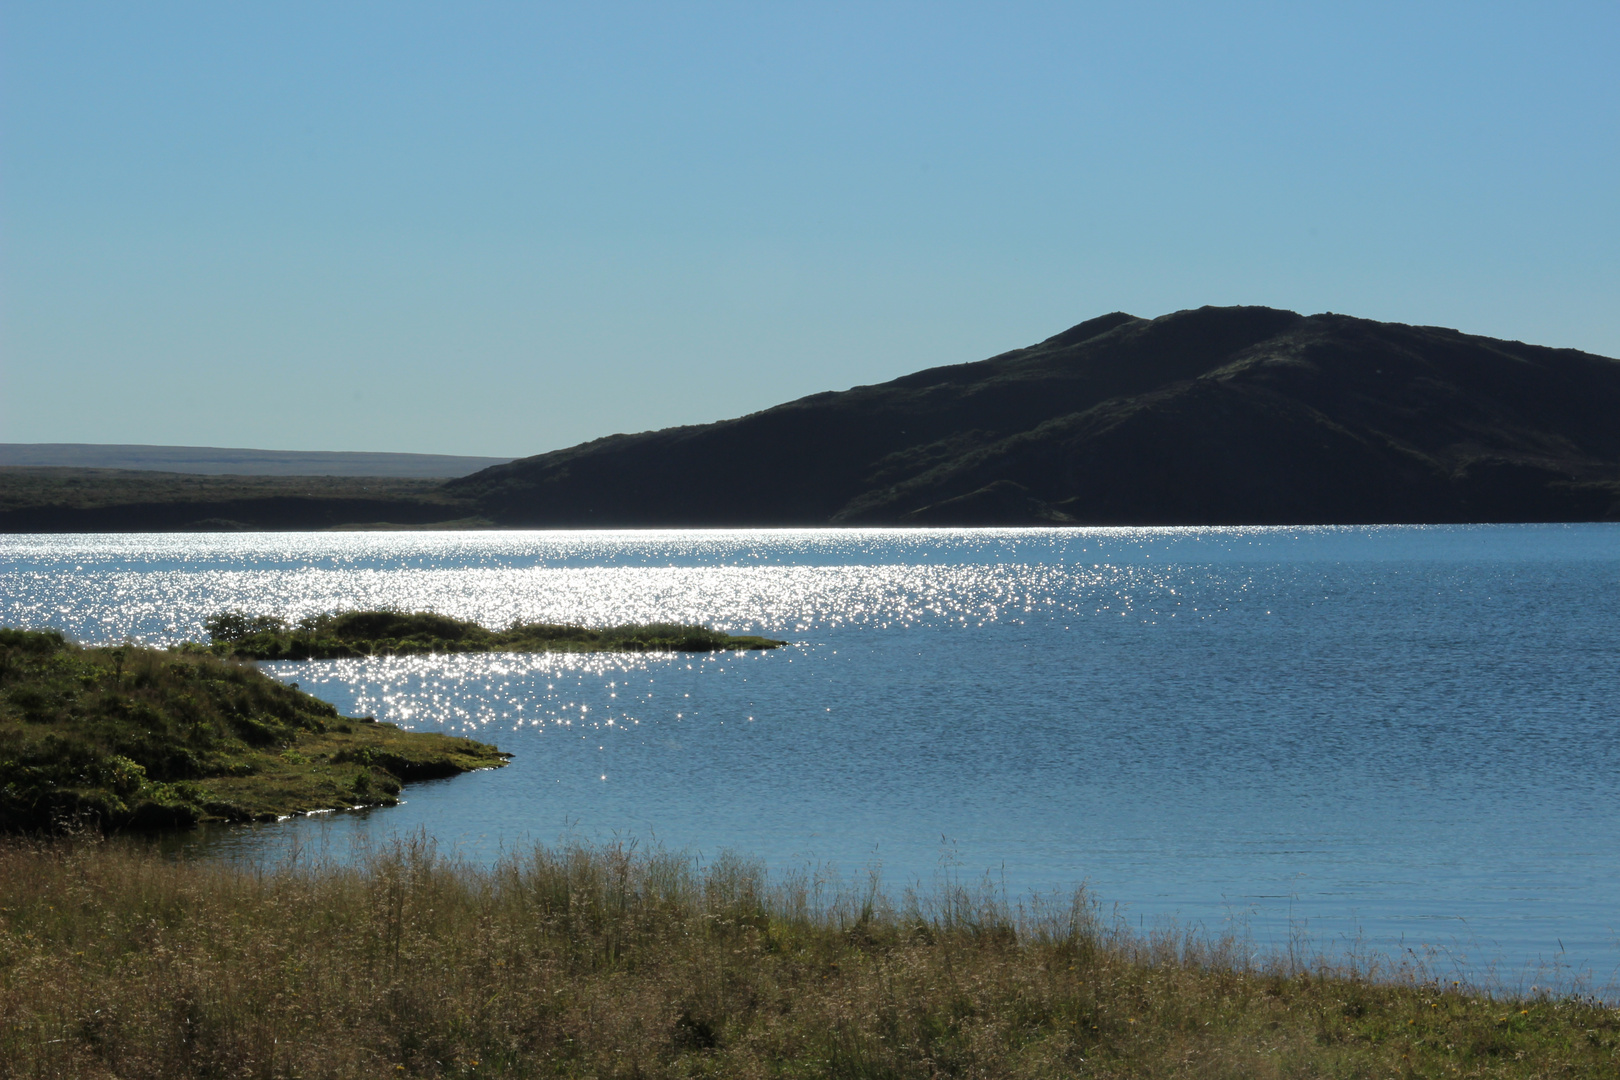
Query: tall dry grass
<point x="118" y="961"/>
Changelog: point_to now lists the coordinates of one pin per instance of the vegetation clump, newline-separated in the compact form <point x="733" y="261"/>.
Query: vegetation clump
<point x="116" y="961"/>
<point x="142" y="738"/>
<point x="338" y="635"/>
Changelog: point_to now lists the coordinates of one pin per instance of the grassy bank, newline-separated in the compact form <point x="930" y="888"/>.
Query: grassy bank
<point x="115" y="961"/>
<point x="338" y="635"/>
<point x="132" y="737"/>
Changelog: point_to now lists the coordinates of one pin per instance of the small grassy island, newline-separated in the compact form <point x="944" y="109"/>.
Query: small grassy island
<point x="129" y="737"/>
<point x="337" y="635"/>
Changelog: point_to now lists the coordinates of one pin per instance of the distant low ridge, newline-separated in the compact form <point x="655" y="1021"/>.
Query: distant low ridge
<point x="228" y="461"/>
<point x="1238" y="415"/>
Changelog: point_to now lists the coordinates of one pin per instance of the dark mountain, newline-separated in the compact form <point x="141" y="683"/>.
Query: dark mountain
<point x="1214" y="416"/>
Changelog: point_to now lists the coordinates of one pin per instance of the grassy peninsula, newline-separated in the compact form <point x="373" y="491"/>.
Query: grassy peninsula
<point x="115" y="961"/>
<point x="337" y="635"/>
<point x="129" y="737"/>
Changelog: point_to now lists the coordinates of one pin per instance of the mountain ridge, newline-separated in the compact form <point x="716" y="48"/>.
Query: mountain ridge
<point x="1244" y="415"/>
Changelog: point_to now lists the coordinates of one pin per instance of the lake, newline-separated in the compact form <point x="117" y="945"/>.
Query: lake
<point x="1402" y="739"/>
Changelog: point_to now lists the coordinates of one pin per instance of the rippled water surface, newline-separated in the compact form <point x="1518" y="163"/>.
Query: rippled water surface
<point x="1406" y="737"/>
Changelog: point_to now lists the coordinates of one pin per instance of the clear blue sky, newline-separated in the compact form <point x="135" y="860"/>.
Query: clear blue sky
<point x="502" y="228"/>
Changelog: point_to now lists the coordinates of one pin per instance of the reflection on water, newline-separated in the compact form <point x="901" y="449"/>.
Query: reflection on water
<point x="1406" y="735"/>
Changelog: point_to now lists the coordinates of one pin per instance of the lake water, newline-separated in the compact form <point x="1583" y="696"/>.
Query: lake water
<point x="1405" y="737"/>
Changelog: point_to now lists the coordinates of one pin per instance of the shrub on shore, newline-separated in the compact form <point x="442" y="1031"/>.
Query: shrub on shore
<point x="117" y="961"/>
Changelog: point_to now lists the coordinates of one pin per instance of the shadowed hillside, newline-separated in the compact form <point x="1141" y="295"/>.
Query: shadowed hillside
<point x="1214" y="416"/>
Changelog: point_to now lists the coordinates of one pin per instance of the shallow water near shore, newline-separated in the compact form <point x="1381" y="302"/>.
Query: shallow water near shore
<point x="1382" y="738"/>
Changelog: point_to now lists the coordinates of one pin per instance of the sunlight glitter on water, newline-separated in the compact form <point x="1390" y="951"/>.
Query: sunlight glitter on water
<point x="586" y="693"/>
<point x="160" y="588"/>
<point x="167" y="605"/>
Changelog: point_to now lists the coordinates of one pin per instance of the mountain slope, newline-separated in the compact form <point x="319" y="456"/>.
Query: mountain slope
<point x="1219" y="415"/>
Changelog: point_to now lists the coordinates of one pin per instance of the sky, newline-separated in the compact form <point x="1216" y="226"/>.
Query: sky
<point x="490" y="228"/>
